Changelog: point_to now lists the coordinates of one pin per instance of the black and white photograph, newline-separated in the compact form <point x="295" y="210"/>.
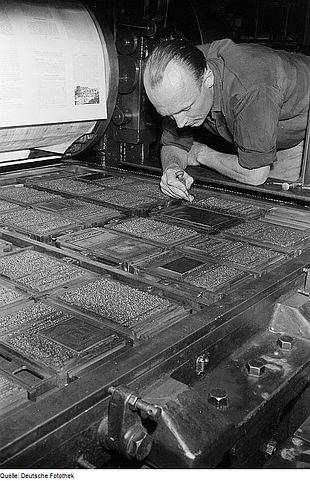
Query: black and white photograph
<point x="154" y="238"/>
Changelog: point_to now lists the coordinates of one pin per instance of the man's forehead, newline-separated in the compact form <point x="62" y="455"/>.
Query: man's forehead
<point x="177" y="90"/>
<point x="177" y="78"/>
<point x="171" y="100"/>
<point x="175" y="75"/>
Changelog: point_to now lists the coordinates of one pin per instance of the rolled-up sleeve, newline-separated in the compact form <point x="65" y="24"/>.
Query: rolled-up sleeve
<point x="256" y="121"/>
<point x="172" y="135"/>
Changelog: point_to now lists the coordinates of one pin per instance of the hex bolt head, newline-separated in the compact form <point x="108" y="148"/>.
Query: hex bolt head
<point x="285" y="342"/>
<point x="271" y="447"/>
<point x="139" y="445"/>
<point x="218" y="398"/>
<point x="255" y="367"/>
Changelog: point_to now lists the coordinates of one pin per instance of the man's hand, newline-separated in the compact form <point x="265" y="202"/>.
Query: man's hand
<point x="176" y="183"/>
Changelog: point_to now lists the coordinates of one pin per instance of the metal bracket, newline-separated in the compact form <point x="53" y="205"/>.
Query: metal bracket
<point x="122" y="430"/>
<point x="306" y="289"/>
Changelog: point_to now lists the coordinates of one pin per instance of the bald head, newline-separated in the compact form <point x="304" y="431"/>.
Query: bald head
<point x="177" y="86"/>
<point x="182" y="52"/>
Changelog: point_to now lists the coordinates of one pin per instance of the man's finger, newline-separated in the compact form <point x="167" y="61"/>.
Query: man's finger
<point x="178" y="193"/>
<point x="165" y="190"/>
<point x="177" y="183"/>
<point x="175" y="195"/>
<point x="188" y="180"/>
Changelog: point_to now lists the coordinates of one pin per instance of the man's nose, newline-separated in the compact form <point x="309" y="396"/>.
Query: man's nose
<point x="180" y="120"/>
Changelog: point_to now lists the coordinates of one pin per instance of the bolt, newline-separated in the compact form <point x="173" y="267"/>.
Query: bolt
<point x="285" y="342"/>
<point x="201" y="364"/>
<point x="255" y="367"/>
<point x="271" y="447"/>
<point x="218" y="398"/>
<point x="132" y="401"/>
<point x="233" y="451"/>
<point x="149" y="410"/>
<point x="139" y="444"/>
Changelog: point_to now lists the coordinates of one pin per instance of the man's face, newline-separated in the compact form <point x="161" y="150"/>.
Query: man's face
<point x="180" y="97"/>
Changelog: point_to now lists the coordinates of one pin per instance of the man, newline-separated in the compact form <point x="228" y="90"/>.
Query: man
<point x="254" y="97"/>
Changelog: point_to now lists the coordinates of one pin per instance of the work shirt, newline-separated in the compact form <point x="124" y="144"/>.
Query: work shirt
<point x="260" y="101"/>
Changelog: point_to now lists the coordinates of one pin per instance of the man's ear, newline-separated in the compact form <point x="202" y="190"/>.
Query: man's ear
<point x="208" y="77"/>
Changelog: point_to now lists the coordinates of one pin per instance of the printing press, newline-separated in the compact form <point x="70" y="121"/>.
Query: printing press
<point x="137" y="331"/>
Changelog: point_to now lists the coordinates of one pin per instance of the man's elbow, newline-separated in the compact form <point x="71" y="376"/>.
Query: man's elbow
<point x="257" y="176"/>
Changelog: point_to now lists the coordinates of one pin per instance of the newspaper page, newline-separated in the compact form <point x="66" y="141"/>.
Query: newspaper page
<point x="55" y="137"/>
<point x="52" y="71"/>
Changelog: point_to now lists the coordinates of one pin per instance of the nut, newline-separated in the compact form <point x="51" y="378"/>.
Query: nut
<point x="139" y="444"/>
<point x="271" y="447"/>
<point x="285" y="342"/>
<point x="218" y="398"/>
<point x="255" y="367"/>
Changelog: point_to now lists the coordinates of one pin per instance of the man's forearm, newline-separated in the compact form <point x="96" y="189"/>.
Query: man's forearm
<point x="172" y="156"/>
<point x="227" y="164"/>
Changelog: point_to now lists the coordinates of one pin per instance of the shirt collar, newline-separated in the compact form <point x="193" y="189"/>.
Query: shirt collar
<point x="217" y="67"/>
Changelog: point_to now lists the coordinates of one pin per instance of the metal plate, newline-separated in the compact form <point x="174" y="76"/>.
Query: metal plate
<point x="25" y="315"/>
<point x="288" y="217"/>
<point x="94" y="176"/>
<point x="150" y="189"/>
<point x="76" y="334"/>
<point x="24" y="195"/>
<point x="261" y="233"/>
<point x="218" y="279"/>
<point x="65" y="185"/>
<point x="113" y="181"/>
<point x="40" y="271"/>
<point x="11" y="394"/>
<point x="141" y="312"/>
<point x="244" y="256"/>
<point x="254" y="257"/>
<point x="160" y="233"/>
<point x="80" y="211"/>
<point x="107" y="246"/>
<point x="5" y="205"/>
<point x="38" y="224"/>
<point x="230" y="207"/>
<point x="9" y="296"/>
<point x="199" y="218"/>
<point x="204" y="274"/>
<point x="212" y="246"/>
<point x="126" y="200"/>
<point x="182" y="265"/>
<point x="60" y="341"/>
<point x="171" y="263"/>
